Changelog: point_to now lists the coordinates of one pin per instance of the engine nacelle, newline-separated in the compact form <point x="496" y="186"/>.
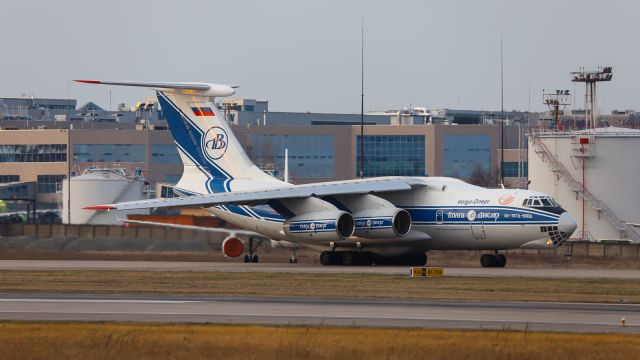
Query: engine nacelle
<point x="232" y="247"/>
<point x="382" y="223"/>
<point x="328" y="225"/>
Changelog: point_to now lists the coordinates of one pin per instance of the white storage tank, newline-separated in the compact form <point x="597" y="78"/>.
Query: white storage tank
<point x="605" y="162"/>
<point x="100" y="186"/>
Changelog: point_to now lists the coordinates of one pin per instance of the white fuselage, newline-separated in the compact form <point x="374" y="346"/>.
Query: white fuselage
<point x="454" y="214"/>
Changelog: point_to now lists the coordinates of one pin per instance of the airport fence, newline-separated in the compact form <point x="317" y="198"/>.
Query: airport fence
<point x="47" y="231"/>
<point x="586" y="248"/>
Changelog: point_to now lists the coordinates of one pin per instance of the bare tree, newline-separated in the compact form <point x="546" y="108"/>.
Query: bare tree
<point x="481" y="177"/>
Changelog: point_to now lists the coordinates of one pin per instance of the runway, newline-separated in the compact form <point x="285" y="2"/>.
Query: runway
<point x="308" y="268"/>
<point x="293" y="311"/>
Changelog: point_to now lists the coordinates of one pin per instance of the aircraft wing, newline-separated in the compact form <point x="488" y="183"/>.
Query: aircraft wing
<point x="359" y="186"/>
<point x="192" y="227"/>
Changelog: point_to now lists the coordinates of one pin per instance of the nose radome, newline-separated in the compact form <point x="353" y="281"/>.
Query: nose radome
<point x="567" y="223"/>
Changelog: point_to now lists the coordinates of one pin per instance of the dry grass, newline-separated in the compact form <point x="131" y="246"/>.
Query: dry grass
<point x="342" y="286"/>
<point x="138" y="341"/>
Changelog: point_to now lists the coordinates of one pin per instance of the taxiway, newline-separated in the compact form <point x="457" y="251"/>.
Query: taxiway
<point x="299" y="311"/>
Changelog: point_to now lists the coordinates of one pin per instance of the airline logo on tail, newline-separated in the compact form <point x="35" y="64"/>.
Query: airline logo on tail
<point x="215" y="143"/>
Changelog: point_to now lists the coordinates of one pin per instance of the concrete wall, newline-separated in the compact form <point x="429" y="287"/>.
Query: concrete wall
<point x="44" y="231"/>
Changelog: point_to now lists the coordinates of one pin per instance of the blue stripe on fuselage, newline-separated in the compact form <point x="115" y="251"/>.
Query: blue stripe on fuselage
<point x="484" y="214"/>
<point x="488" y="215"/>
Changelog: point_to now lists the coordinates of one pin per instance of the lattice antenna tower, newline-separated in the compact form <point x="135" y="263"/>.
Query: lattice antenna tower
<point x="590" y="78"/>
<point x="556" y="102"/>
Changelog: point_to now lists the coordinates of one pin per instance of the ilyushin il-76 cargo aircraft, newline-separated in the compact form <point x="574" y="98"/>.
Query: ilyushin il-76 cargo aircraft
<point x="383" y="220"/>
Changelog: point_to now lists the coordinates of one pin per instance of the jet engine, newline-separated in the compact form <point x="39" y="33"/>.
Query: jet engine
<point x="232" y="247"/>
<point x="382" y="223"/>
<point x="326" y="225"/>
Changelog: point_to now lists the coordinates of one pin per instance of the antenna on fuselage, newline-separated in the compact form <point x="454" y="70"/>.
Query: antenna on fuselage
<point x="362" y="98"/>
<point x="501" y="115"/>
<point x="286" y="165"/>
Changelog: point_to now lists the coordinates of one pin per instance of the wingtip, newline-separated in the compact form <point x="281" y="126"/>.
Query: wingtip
<point x="99" y="207"/>
<point x="88" y="81"/>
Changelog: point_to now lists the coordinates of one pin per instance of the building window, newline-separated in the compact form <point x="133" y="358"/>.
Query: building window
<point x="310" y="156"/>
<point x="111" y="153"/>
<point x="511" y="169"/>
<point x="49" y="183"/>
<point x="465" y="153"/>
<point x="166" y="192"/>
<point x="165" y="154"/>
<point x="18" y="190"/>
<point x="9" y="178"/>
<point x="33" y="153"/>
<point x="392" y="155"/>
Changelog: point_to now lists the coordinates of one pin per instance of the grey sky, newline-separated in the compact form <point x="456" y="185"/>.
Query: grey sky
<point x="305" y="56"/>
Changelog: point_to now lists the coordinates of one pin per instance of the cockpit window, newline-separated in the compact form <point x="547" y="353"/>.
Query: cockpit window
<point x="545" y="203"/>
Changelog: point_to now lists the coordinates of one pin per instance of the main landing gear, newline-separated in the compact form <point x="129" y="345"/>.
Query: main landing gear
<point x="351" y="258"/>
<point x="253" y="245"/>
<point x="493" y="260"/>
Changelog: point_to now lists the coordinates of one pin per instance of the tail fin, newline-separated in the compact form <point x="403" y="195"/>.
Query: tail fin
<point x="213" y="159"/>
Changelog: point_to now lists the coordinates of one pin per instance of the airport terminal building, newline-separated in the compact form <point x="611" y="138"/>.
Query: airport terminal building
<point x="37" y="154"/>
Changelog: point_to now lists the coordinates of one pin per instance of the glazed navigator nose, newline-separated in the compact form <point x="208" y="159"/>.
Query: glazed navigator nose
<point x="567" y="224"/>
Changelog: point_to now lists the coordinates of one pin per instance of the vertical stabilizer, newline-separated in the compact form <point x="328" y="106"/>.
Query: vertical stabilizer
<point x="213" y="159"/>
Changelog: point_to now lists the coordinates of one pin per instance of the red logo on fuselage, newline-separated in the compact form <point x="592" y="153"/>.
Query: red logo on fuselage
<point x="506" y="199"/>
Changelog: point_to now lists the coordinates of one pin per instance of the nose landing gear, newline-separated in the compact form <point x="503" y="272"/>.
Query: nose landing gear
<point x="294" y="258"/>
<point x="493" y="260"/>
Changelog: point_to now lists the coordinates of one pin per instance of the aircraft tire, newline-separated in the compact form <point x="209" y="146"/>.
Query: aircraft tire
<point x="349" y="258"/>
<point x="365" y="259"/>
<point x="501" y="260"/>
<point x="254" y="259"/>
<point x="326" y="258"/>
<point x="247" y="258"/>
<point x="487" y="260"/>
<point x="419" y="260"/>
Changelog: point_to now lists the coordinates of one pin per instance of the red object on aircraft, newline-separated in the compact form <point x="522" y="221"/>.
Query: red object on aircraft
<point x="88" y="81"/>
<point x="99" y="208"/>
<point x="232" y="247"/>
<point x="584" y="140"/>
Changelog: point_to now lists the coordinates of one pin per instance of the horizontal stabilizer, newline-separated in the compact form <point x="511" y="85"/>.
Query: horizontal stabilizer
<point x="204" y="89"/>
